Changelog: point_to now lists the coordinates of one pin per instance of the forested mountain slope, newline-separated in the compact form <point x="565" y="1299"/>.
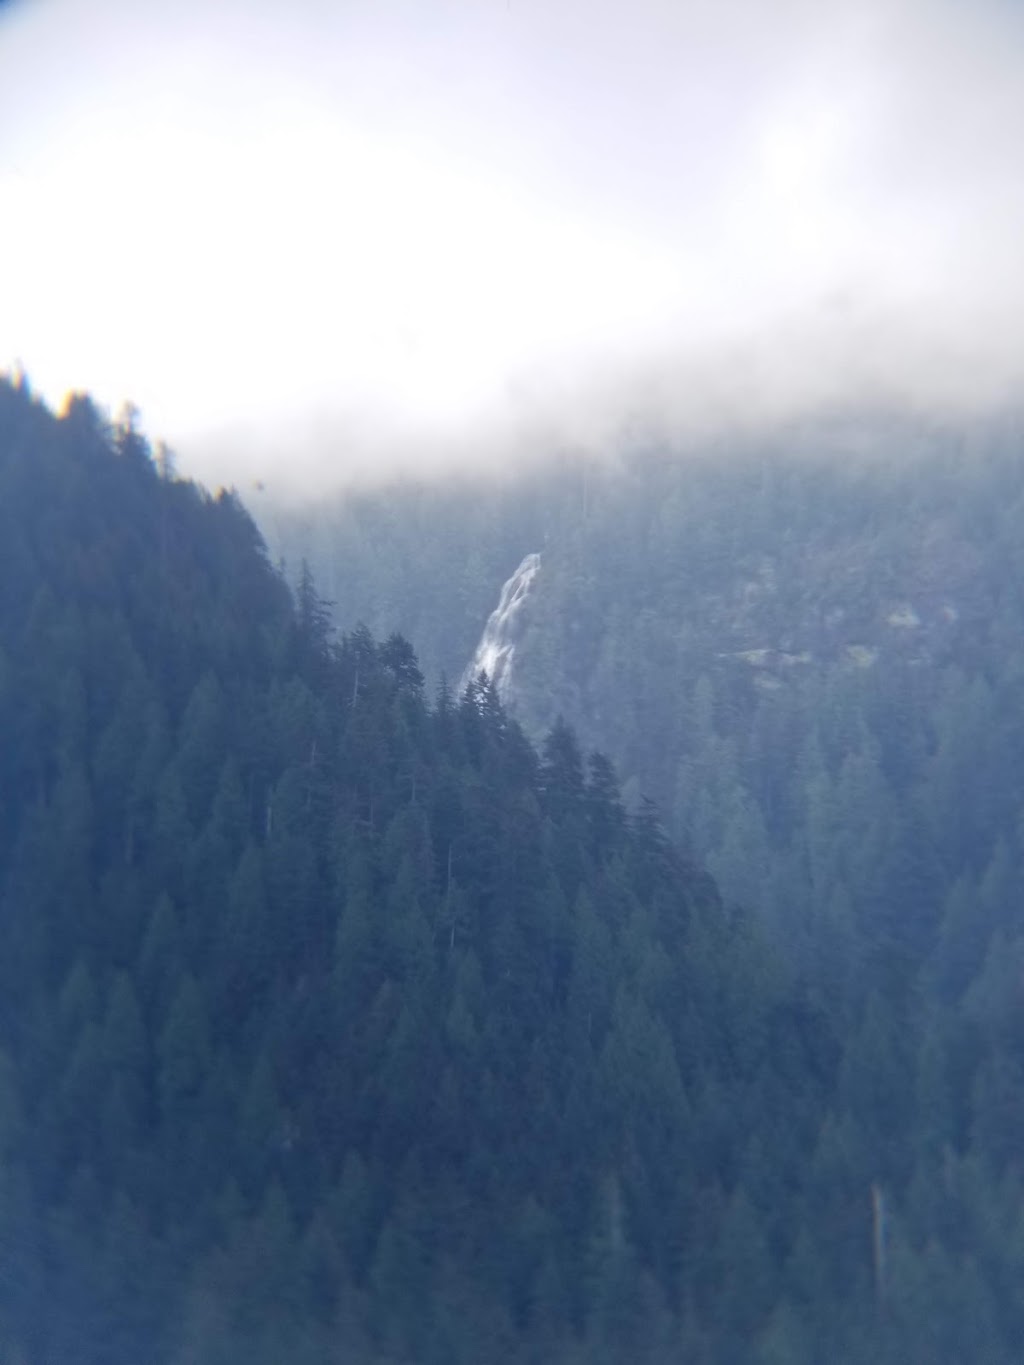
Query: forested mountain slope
<point x="340" y="1025"/>
<point x="810" y="649"/>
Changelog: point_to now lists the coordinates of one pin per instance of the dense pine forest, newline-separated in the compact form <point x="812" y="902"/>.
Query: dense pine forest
<point x="806" y="644"/>
<point x="340" y="1023"/>
<point x="807" y="647"/>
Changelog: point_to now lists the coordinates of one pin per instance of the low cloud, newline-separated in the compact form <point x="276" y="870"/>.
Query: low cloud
<point x="322" y="242"/>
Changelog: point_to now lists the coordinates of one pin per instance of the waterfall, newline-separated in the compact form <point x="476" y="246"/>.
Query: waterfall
<point x="504" y="627"/>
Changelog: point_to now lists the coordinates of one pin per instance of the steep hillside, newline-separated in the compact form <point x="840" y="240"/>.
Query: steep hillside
<point x="336" y="1024"/>
<point x="809" y="651"/>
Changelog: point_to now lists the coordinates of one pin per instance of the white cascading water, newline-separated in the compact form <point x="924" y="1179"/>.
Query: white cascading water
<point x="497" y="645"/>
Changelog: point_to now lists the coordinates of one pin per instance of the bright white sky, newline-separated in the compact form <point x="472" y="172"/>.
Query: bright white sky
<point x="329" y="235"/>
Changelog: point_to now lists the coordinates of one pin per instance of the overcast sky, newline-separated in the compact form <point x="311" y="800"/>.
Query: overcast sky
<point x="332" y="235"/>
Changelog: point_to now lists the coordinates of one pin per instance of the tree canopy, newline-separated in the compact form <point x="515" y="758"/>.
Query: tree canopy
<point x="340" y="1023"/>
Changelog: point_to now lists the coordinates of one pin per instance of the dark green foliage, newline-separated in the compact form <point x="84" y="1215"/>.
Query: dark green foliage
<point x="337" y="1025"/>
<point x="808" y="648"/>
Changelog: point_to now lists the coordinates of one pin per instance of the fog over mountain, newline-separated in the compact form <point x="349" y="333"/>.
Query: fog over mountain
<point x="409" y="957"/>
<point x="408" y="235"/>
